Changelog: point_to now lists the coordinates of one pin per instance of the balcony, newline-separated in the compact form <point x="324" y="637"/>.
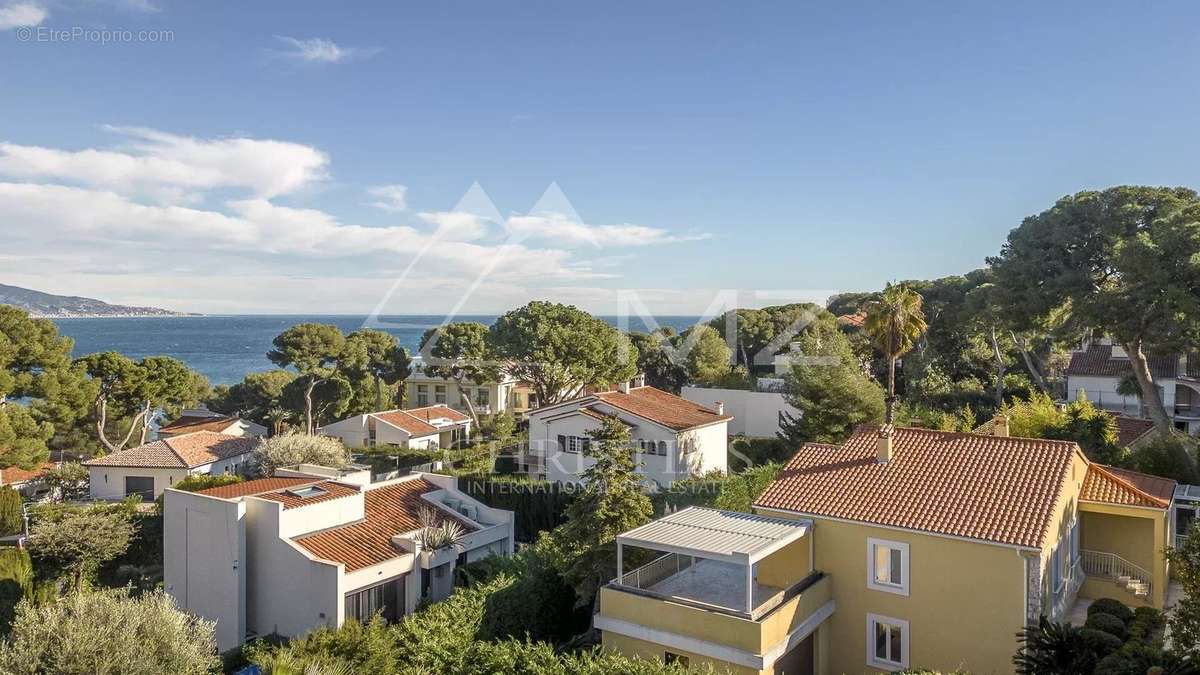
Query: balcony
<point x="735" y="587"/>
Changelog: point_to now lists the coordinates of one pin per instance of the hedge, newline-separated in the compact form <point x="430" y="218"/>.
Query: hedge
<point x="16" y="583"/>
<point x="1109" y="624"/>
<point x="1111" y="607"/>
<point x="537" y="505"/>
<point x="11" y="519"/>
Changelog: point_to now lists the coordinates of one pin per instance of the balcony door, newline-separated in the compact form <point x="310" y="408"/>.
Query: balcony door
<point x="386" y="598"/>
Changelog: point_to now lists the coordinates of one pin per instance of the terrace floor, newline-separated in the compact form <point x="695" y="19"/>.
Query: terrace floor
<point x="714" y="583"/>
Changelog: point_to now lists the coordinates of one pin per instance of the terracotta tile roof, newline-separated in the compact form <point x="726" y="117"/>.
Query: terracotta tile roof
<point x="186" y="424"/>
<point x="416" y="421"/>
<point x="433" y="412"/>
<point x="15" y="474"/>
<point x="856" y="320"/>
<point x="256" y="486"/>
<point x="1097" y="361"/>
<point x="290" y="500"/>
<point x="390" y="510"/>
<point x="1130" y="429"/>
<point x="991" y="488"/>
<point x="402" y="420"/>
<point x="1111" y="485"/>
<point x="662" y="407"/>
<point x="180" y="452"/>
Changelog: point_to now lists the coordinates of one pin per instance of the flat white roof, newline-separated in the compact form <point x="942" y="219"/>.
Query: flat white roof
<point x="730" y="536"/>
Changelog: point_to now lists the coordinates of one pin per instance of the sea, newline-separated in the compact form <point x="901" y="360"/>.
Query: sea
<point x="225" y="348"/>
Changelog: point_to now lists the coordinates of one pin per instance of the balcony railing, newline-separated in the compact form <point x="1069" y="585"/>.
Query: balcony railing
<point x="1115" y="568"/>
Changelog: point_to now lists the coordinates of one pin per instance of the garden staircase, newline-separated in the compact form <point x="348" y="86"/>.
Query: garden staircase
<point x="1127" y="575"/>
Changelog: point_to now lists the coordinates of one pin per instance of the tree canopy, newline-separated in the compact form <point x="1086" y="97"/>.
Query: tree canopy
<point x="827" y="385"/>
<point x="461" y="352"/>
<point x="1124" y="261"/>
<point x="560" y="349"/>
<point x="313" y="350"/>
<point x="291" y="449"/>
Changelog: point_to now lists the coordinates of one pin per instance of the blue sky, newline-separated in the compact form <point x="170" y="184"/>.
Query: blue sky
<point x="784" y="150"/>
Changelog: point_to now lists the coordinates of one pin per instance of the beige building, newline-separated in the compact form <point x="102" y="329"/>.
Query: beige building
<point x="507" y="395"/>
<point x="148" y="469"/>
<point x="427" y="428"/>
<point x="313" y="546"/>
<point x="920" y="549"/>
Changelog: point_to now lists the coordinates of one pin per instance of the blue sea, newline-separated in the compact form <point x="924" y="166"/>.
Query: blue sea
<point x="225" y="348"/>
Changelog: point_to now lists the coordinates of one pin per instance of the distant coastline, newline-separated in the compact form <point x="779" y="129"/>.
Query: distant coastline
<point x="164" y="314"/>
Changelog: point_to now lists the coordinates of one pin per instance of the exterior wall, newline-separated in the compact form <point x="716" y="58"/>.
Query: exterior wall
<point x="1066" y="513"/>
<point x="499" y="393"/>
<point x="966" y="599"/>
<point x="108" y="482"/>
<point x="204" y="561"/>
<point x="351" y="431"/>
<point x="691" y="452"/>
<point x="1103" y="392"/>
<point x="1139" y="535"/>
<point x="289" y="593"/>
<point x="650" y="651"/>
<point x="755" y="413"/>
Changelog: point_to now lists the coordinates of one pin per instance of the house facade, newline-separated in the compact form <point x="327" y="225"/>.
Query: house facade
<point x="313" y="546"/>
<point x="673" y="438"/>
<point x="1098" y="366"/>
<point x="922" y="549"/>
<point x="149" y="469"/>
<point x="427" y="428"/>
<point x="202" y="419"/>
<point x="506" y="395"/>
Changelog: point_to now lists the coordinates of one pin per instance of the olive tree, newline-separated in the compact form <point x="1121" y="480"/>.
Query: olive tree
<point x="108" y="633"/>
<point x="292" y="449"/>
<point x="79" y="541"/>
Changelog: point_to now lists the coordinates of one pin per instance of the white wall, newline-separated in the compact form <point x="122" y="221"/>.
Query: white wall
<point x="108" y="482"/>
<point x="1103" y="392"/>
<point x="204" y="561"/>
<point x="755" y="413"/>
<point x="351" y="431"/>
<point x="688" y="453"/>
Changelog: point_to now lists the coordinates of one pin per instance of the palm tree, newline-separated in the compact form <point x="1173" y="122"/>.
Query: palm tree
<point x="894" y="323"/>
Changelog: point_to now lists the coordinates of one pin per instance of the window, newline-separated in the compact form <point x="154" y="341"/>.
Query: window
<point x="672" y="657"/>
<point x="422" y="395"/>
<point x="887" y="566"/>
<point x="387" y="598"/>
<point x="482" y="396"/>
<point x="573" y="444"/>
<point x="649" y="447"/>
<point x="439" y="393"/>
<point x="887" y="642"/>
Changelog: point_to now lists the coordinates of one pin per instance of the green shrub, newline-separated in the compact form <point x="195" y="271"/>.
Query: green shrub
<point x="758" y="451"/>
<point x="1115" y="664"/>
<point x="1109" y="624"/>
<point x="364" y="648"/>
<point x="203" y="481"/>
<point x="1147" y="625"/>
<point x="740" y="490"/>
<point x="1100" y="641"/>
<point x="16" y="583"/>
<point x="11" y="519"/>
<point x="1112" y="608"/>
<point x="539" y="605"/>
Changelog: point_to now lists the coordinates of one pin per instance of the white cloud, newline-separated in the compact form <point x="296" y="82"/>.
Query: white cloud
<point x="566" y="231"/>
<point x="21" y="15"/>
<point x="161" y="212"/>
<point x="173" y="168"/>
<point x="389" y="197"/>
<point x="321" y="50"/>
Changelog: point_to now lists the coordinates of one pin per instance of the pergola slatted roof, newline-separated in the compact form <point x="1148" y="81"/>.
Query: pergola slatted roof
<point x="729" y="536"/>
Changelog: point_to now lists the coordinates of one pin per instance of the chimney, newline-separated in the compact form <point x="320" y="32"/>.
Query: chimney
<point x="720" y="407"/>
<point x="623" y="387"/>
<point x="1000" y="426"/>
<point x="883" y="446"/>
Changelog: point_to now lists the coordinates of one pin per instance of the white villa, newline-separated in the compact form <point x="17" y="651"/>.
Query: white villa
<point x="673" y="438"/>
<point x="1098" y="366"/>
<point x="506" y="395"/>
<point x="150" y="468"/>
<point x="313" y="546"/>
<point x="427" y="428"/>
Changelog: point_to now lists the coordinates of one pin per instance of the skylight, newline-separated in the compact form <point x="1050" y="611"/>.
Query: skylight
<point x="308" y="491"/>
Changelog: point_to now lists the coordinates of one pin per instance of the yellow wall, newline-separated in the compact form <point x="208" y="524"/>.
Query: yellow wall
<point x="1139" y="535"/>
<point x="1066" y="510"/>
<point x="786" y="566"/>
<point x="965" y="605"/>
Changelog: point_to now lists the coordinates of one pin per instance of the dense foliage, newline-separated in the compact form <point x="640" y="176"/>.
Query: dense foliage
<point x="292" y="448"/>
<point x="537" y="506"/>
<point x="1114" y="640"/>
<point x="108" y="633"/>
<point x="78" y="541"/>
<point x="16" y="583"/>
<point x="448" y="637"/>
<point x="830" y="389"/>
<point x="202" y="481"/>
<point x="1184" y="617"/>
<point x="12" y="521"/>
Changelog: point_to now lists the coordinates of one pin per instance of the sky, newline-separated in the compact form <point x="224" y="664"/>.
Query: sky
<point x="677" y="157"/>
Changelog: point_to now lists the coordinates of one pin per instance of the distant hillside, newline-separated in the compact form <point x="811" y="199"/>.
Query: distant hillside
<point x="45" y="305"/>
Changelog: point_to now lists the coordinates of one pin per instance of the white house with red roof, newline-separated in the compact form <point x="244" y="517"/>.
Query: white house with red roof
<point x="203" y="419"/>
<point x="673" y="438"/>
<point x="313" y="546"/>
<point x="152" y="467"/>
<point x="428" y="428"/>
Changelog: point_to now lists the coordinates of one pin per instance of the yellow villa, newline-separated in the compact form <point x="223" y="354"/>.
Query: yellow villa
<point x="900" y="548"/>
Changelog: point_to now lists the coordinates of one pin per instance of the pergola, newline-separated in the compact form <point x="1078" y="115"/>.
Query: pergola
<point x="730" y="537"/>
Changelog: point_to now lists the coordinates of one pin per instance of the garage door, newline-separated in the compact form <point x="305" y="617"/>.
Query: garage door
<point x="140" y="485"/>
